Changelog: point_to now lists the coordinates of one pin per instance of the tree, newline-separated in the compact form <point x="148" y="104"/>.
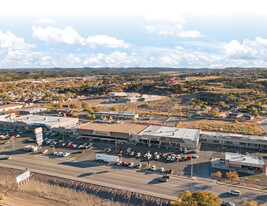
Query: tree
<point x="89" y="116"/>
<point x="114" y="109"/>
<point x="85" y="106"/>
<point x="254" y="111"/>
<point x="74" y="106"/>
<point x="218" y="174"/>
<point x="232" y="175"/>
<point x="250" y="203"/>
<point x="101" y="117"/>
<point x="110" y="118"/>
<point x="134" y="120"/>
<point x="199" y="198"/>
<point x="93" y="116"/>
<point x="214" y="112"/>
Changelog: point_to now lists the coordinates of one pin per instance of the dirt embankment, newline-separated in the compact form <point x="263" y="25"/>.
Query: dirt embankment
<point x="46" y="190"/>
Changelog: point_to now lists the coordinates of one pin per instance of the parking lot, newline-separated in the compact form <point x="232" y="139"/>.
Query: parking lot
<point x="77" y="150"/>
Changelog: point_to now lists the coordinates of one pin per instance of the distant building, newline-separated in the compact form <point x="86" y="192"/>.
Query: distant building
<point x="32" y="110"/>
<point x="115" y="114"/>
<point x="131" y="97"/>
<point x="7" y="107"/>
<point x="46" y="122"/>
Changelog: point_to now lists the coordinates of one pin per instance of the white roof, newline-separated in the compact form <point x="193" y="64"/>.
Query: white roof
<point x="171" y="132"/>
<point x="234" y="136"/>
<point x="45" y="120"/>
<point x="236" y="158"/>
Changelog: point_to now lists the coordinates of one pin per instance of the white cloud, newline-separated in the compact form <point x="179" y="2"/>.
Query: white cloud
<point x="10" y="41"/>
<point x="171" y="24"/>
<point x="70" y="36"/>
<point x="106" y="41"/>
<point x="256" y="49"/>
<point x="67" y="35"/>
<point x="45" y="21"/>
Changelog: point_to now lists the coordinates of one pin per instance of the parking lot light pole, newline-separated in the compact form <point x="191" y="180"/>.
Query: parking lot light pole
<point x="54" y="149"/>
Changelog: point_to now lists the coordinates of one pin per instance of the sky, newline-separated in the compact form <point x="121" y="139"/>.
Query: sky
<point x="139" y="33"/>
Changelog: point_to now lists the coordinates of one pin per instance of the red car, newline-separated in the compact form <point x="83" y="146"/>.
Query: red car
<point x="189" y="157"/>
<point x="12" y="137"/>
<point x="167" y="176"/>
<point x="120" y="152"/>
<point x="54" y="153"/>
<point x="110" y="141"/>
<point x="124" y="163"/>
<point x="81" y="151"/>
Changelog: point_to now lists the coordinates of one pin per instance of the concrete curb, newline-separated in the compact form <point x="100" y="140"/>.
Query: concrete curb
<point x="248" y="188"/>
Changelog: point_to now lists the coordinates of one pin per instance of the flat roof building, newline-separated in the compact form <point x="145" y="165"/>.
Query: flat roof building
<point x="46" y="122"/>
<point x="127" y="132"/>
<point x="234" y="140"/>
<point x="115" y="114"/>
<point x="171" y="136"/>
<point x="32" y="110"/>
<point x="7" y="107"/>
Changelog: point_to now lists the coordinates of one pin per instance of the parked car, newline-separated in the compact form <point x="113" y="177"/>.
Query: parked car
<point x="189" y="157"/>
<point x="7" y="157"/>
<point x="161" y="169"/>
<point x="153" y="168"/>
<point x="130" y="164"/>
<point x="226" y="203"/>
<point x="234" y="192"/>
<point x="81" y="151"/>
<point x="167" y="176"/>
<point x="162" y="179"/>
<point x="45" y="151"/>
<point x="168" y="158"/>
<point x="194" y="156"/>
<point x="124" y="163"/>
<point x="139" y="166"/>
<point x="71" y="161"/>
<point x="138" y="154"/>
<point x="157" y="157"/>
<point x="170" y="171"/>
<point x="119" y="163"/>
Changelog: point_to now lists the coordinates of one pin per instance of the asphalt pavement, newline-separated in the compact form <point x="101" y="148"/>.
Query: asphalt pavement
<point x="140" y="181"/>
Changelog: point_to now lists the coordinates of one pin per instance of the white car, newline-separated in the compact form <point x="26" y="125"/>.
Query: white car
<point x="71" y="161"/>
<point x="226" y="203"/>
<point x="130" y="164"/>
<point x="153" y="168"/>
<point x="172" y="158"/>
<point x="66" y="154"/>
<point x="234" y="192"/>
<point x="45" y="151"/>
<point x="139" y="166"/>
<point x="194" y="156"/>
<point x="119" y="163"/>
<point x="168" y="158"/>
<point x="161" y="169"/>
<point x="59" y="154"/>
<point x="157" y="157"/>
<point x="138" y="154"/>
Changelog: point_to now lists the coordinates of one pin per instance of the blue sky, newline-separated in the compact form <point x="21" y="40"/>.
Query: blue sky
<point x="123" y="33"/>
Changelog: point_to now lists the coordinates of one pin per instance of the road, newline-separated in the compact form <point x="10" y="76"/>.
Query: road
<point x="125" y="178"/>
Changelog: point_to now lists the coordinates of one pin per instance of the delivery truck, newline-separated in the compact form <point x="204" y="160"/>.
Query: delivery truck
<point x="107" y="158"/>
